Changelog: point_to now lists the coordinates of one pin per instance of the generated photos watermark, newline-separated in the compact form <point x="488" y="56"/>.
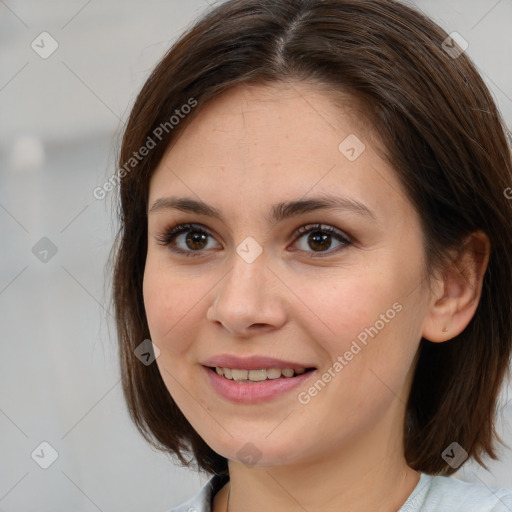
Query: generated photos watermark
<point x="152" y="141"/>
<point x="305" y="397"/>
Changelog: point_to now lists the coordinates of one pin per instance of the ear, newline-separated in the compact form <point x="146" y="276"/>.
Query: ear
<point x="458" y="290"/>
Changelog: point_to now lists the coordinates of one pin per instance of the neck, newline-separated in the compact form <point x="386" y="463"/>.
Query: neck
<point x="384" y="495"/>
<point x="353" y="479"/>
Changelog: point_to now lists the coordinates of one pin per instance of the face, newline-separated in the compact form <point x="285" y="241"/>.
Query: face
<point x="295" y="244"/>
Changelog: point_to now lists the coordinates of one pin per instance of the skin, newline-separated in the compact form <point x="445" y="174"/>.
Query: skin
<point x="246" y="150"/>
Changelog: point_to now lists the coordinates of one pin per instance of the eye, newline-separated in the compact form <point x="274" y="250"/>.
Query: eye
<point x="320" y="238"/>
<point x="193" y="239"/>
<point x="187" y="239"/>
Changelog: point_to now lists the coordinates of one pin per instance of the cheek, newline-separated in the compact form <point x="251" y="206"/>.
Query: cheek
<point x="159" y="302"/>
<point x="342" y="305"/>
<point x="171" y="311"/>
<point x="168" y="302"/>
<point x="369" y="322"/>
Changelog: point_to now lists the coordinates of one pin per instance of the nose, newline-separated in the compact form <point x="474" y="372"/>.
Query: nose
<point x="249" y="300"/>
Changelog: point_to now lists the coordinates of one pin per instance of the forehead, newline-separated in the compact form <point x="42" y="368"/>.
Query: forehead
<point x="253" y="115"/>
<point x="274" y="143"/>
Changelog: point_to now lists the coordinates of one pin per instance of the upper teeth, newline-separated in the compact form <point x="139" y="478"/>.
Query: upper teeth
<point x="257" y="375"/>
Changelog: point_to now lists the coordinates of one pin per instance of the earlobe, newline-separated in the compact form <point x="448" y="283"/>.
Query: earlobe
<point x="460" y="287"/>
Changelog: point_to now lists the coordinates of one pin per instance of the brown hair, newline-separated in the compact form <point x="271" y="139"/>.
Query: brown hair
<point x="443" y="136"/>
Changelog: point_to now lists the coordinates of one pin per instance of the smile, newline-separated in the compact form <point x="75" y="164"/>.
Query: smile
<point x="253" y="386"/>
<point x="258" y="375"/>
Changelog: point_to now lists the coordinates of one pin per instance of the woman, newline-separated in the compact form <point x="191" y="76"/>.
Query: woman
<point x="316" y="239"/>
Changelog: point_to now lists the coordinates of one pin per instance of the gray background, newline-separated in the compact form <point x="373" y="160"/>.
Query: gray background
<point x="59" y="124"/>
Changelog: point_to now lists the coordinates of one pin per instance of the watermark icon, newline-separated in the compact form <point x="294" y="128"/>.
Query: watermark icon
<point x="249" y="249"/>
<point x="44" y="45"/>
<point x="304" y="397"/>
<point x="147" y="352"/>
<point x="351" y="147"/>
<point x="454" y="45"/>
<point x="44" y="455"/>
<point x="44" y="249"/>
<point x="454" y="455"/>
<point x="249" y="454"/>
<point x="152" y="140"/>
<point x="508" y="192"/>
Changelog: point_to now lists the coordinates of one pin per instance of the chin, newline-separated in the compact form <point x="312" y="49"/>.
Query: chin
<point x="260" y="452"/>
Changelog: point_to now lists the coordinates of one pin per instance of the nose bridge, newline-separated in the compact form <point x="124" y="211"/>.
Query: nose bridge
<point x="245" y="297"/>
<point x="245" y="283"/>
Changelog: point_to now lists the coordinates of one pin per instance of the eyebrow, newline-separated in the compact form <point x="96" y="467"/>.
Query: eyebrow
<point x="278" y="212"/>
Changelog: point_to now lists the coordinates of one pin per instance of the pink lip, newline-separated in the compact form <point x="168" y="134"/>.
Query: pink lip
<point x="251" y="362"/>
<point x="244" y="392"/>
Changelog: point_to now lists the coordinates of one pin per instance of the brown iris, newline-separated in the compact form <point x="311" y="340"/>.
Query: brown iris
<point x="318" y="240"/>
<point x="196" y="240"/>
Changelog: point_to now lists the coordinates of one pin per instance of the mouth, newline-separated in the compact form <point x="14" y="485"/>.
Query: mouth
<point x="253" y="386"/>
<point x="264" y="374"/>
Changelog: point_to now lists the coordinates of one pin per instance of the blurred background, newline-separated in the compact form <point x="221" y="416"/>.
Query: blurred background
<point x="69" y="73"/>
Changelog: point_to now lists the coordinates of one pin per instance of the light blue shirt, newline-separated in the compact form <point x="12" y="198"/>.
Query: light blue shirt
<point x="431" y="494"/>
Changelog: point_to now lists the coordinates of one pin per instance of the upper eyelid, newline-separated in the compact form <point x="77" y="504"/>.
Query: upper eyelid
<point x="189" y="226"/>
<point x="307" y="228"/>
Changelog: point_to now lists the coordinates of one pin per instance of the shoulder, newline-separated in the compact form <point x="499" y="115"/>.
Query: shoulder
<point x="469" y="497"/>
<point x="202" y="501"/>
<point x="448" y="494"/>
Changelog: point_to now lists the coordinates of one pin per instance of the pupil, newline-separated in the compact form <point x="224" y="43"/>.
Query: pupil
<point x="321" y="240"/>
<point x="196" y="240"/>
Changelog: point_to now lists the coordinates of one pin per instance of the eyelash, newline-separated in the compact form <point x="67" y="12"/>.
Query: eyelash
<point x="170" y="235"/>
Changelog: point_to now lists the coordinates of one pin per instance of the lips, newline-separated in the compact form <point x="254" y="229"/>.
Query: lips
<point x="255" y="392"/>
<point x="252" y="390"/>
